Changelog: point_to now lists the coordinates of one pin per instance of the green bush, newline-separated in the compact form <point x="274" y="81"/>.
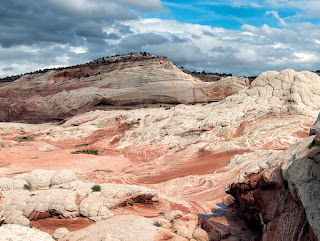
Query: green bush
<point x="24" y="138"/>
<point x="85" y="144"/>
<point x="89" y="152"/>
<point x="157" y="224"/>
<point x="26" y="187"/>
<point x="96" y="188"/>
<point x="103" y="170"/>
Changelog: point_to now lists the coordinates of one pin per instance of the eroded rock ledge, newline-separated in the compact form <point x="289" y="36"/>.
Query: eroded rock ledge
<point x="282" y="202"/>
<point x="53" y="201"/>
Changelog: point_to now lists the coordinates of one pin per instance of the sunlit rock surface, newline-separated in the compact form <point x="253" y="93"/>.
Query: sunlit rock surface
<point x="126" y="81"/>
<point x="186" y="154"/>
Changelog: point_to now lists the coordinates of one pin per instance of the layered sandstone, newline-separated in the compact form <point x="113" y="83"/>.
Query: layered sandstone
<point x="41" y="198"/>
<point x="130" y="80"/>
<point x="281" y="200"/>
<point x="186" y="154"/>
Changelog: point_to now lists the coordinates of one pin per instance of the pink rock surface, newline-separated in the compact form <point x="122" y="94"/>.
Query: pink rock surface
<point x="188" y="154"/>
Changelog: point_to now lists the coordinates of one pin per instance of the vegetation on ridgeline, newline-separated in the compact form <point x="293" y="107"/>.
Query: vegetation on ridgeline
<point x="207" y="77"/>
<point x="100" y="61"/>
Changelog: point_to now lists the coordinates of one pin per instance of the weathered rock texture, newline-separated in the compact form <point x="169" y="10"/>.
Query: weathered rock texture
<point x="187" y="154"/>
<point x="128" y="227"/>
<point x="71" y="198"/>
<point x="21" y="233"/>
<point x="118" y="81"/>
<point x="315" y="127"/>
<point x="281" y="202"/>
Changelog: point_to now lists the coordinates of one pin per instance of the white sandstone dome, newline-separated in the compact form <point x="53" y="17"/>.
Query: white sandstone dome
<point x="288" y="86"/>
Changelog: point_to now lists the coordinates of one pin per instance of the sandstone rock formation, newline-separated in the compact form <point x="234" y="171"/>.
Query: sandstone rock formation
<point x="128" y="227"/>
<point x="182" y="158"/>
<point x="119" y="81"/>
<point x="315" y="127"/>
<point x="281" y="202"/>
<point x="21" y="233"/>
<point x="69" y="199"/>
<point x="72" y="198"/>
<point x="60" y="233"/>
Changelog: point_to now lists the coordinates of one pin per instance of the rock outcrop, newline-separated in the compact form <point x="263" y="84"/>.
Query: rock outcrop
<point x="73" y="198"/>
<point x="281" y="202"/>
<point x="37" y="194"/>
<point x="184" y="155"/>
<point x="128" y="227"/>
<point x="130" y="80"/>
<point x="17" y="232"/>
<point x="315" y="127"/>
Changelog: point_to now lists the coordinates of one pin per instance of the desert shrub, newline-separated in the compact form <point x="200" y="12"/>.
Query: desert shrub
<point x="89" y="152"/>
<point x="96" y="188"/>
<point x="157" y="224"/>
<point x="103" y="170"/>
<point x="24" y="138"/>
<point x="26" y="187"/>
<point x="85" y="144"/>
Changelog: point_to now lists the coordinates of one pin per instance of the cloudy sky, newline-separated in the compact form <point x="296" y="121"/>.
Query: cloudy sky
<point x="241" y="37"/>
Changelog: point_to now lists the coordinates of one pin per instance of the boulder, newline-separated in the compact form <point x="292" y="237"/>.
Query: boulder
<point x="315" y="127"/>
<point x="200" y="235"/>
<point x="17" y="232"/>
<point x="37" y="178"/>
<point x="62" y="177"/>
<point x="123" y="227"/>
<point x="70" y="199"/>
<point x="60" y="233"/>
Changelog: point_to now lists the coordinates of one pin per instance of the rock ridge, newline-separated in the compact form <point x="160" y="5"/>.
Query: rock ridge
<point x="117" y="82"/>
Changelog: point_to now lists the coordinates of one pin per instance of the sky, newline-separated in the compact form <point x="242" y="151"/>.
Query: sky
<point x="241" y="37"/>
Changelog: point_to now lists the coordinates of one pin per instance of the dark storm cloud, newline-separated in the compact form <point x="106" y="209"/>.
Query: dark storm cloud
<point x="55" y="21"/>
<point x="123" y="29"/>
<point x="138" y="41"/>
<point x="177" y="39"/>
<point x="38" y="34"/>
<point x="194" y="36"/>
<point x="7" y="69"/>
<point x="221" y="49"/>
<point x="90" y="30"/>
<point x="150" y="5"/>
<point x="181" y="51"/>
<point x="112" y="36"/>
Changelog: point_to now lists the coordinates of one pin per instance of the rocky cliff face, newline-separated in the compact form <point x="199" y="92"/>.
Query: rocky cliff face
<point x="281" y="201"/>
<point x="129" y="80"/>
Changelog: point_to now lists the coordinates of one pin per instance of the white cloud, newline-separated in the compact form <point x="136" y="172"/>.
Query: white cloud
<point x="255" y="5"/>
<point x="282" y="23"/>
<point x="247" y="51"/>
<point x="303" y="57"/>
<point x="279" y="46"/>
<point x="249" y="28"/>
<point x="276" y="3"/>
<point x="78" y="49"/>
